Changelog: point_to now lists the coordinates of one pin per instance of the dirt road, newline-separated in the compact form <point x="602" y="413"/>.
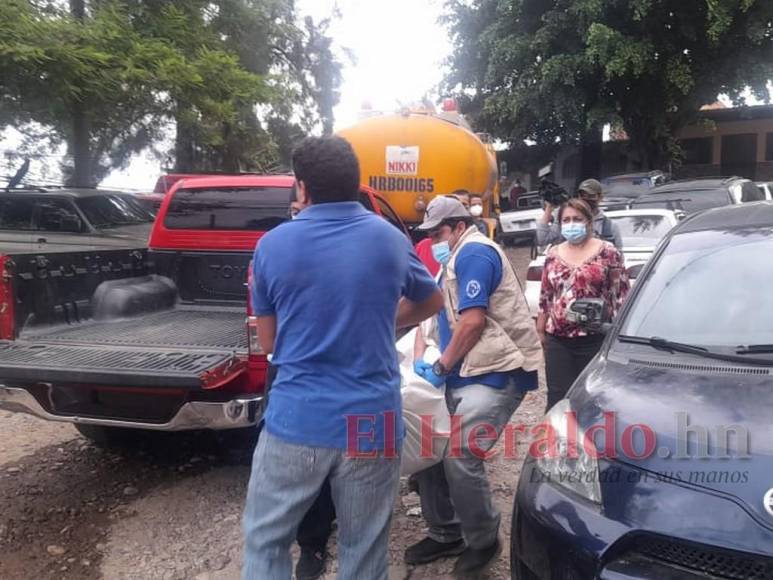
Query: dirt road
<point x="170" y="510"/>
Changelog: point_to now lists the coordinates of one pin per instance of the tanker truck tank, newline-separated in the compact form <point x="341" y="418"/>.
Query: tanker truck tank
<point x="411" y="157"/>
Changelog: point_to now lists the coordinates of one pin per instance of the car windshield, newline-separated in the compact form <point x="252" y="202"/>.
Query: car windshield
<point x="710" y="289"/>
<point x="642" y="231"/>
<point x="113" y="210"/>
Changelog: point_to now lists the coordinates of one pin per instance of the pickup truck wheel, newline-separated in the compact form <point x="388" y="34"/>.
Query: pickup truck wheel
<point x="109" y="437"/>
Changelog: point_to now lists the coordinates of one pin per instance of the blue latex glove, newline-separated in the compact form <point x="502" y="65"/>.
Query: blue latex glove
<point x="421" y="366"/>
<point x="424" y="370"/>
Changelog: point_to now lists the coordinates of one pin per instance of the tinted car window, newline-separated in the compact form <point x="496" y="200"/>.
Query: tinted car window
<point x="631" y="188"/>
<point x="750" y="192"/>
<point x="389" y="213"/>
<point x="108" y="211"/>
<point x="57" y="215"/>
<point x="529" y="202"/>
<point x="688" y="201"/>
<point x="239" y="208"/>
<point x="709" y="288"/>
<point x="16" y="213"/>
<point x="150" y="204"/>
<point x="642" y="231"/>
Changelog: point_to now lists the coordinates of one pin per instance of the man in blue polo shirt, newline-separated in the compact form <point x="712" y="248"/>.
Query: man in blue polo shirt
<point x="330" y="289"/>
<point x="490" y="354"/>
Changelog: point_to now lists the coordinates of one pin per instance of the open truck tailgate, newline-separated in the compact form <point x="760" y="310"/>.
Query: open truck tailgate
<point x="28" y="362"/>
<point x="187" y="347"/>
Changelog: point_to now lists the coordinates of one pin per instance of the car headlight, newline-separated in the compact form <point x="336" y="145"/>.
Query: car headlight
<point x="567" y="459"/>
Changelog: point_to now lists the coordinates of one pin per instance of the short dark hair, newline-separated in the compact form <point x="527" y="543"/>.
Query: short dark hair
<point x="328" y="168"/>
<point x="453" y="221"/>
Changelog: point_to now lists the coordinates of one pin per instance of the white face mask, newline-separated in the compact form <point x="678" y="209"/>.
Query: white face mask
<point x="476" y="210"/>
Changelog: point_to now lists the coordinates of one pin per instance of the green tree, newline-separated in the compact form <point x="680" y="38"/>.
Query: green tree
<point x="109" y="78"/>
<point x="251" y="130"/>
<point x="556" y="71"/>
<point x="90" y="82"/>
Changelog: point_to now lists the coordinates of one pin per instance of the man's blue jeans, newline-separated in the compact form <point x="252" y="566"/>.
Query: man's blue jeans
<point x="284" y="483"/>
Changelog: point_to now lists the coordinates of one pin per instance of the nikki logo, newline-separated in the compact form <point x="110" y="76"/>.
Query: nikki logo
<point x="402" y="160"/>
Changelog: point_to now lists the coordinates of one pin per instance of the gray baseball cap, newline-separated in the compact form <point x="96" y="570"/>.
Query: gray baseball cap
<point x="442" y="208"/>
<point x="592" y="186"/>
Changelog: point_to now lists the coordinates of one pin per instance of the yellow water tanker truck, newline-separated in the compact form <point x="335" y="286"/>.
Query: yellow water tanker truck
<point x="413" y="156"/>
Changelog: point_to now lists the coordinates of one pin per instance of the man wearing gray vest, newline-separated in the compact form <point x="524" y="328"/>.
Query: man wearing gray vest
<point x="490" y="356"/>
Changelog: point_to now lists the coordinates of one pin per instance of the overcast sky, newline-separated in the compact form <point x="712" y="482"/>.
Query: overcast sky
<point x="399" y="49"/>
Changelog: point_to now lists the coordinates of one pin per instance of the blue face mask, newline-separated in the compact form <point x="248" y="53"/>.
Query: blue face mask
<point x="441" y="252"/>
<point x="574" y="233"/>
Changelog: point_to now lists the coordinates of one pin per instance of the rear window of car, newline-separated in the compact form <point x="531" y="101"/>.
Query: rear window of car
<point x="627" y="188"/>
<point x="529" y="202"/>
<point x="642" y="231"/>
<point x="687" y="201"/>
<point x="238" y="208"/>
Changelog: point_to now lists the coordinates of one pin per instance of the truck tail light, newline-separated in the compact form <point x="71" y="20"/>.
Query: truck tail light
<point x="7" y="300"/>
<point x="534" y="274"/>
<point x="253" y="342"/>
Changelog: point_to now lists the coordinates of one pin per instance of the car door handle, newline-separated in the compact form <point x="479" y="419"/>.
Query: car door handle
<point x="42" y="241"/>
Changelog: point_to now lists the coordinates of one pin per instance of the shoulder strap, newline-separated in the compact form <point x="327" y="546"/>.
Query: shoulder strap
<point x="606" y="229"/>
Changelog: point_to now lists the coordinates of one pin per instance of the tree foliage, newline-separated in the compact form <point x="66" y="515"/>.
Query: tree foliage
<point x="110" y="78"/>
<point x="550" y="70"/>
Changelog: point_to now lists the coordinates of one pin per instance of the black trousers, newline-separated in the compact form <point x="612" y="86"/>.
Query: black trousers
<point x="317" y="525"/>
<point x="565" y="359"/>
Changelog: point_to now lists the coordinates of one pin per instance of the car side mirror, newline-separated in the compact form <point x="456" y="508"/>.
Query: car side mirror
<point x="590" y="314"/>
<point x="634" y="271"/>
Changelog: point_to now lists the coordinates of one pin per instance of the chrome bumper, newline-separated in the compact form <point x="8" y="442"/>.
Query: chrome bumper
<point x="243" y="412"/>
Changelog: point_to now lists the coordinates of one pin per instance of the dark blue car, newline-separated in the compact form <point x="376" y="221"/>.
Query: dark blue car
<point x="659" y="463"/>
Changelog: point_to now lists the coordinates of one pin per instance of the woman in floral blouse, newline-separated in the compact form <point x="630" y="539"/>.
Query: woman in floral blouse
<point x="581" y="267"/>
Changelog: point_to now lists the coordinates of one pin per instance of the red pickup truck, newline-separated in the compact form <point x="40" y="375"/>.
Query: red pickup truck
<point x="157" y="338"/>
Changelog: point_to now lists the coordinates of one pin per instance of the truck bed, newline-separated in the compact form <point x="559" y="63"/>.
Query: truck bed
<point x="173" y="348"/>
<point x="184" y="327"/>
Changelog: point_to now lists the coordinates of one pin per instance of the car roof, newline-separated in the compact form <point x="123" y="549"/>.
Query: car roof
<point x="680" y="193"/>
<point x="696" y="184"/>
<point x="237" y="181"/>
<point x="73" y="192"/>
<point x="640" y="212"/>
<point x="746" y="215"/>
<point x="626" y="176"/>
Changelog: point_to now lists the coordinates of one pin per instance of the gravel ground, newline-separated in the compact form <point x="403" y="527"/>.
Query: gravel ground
<point x="170" y="509"/>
